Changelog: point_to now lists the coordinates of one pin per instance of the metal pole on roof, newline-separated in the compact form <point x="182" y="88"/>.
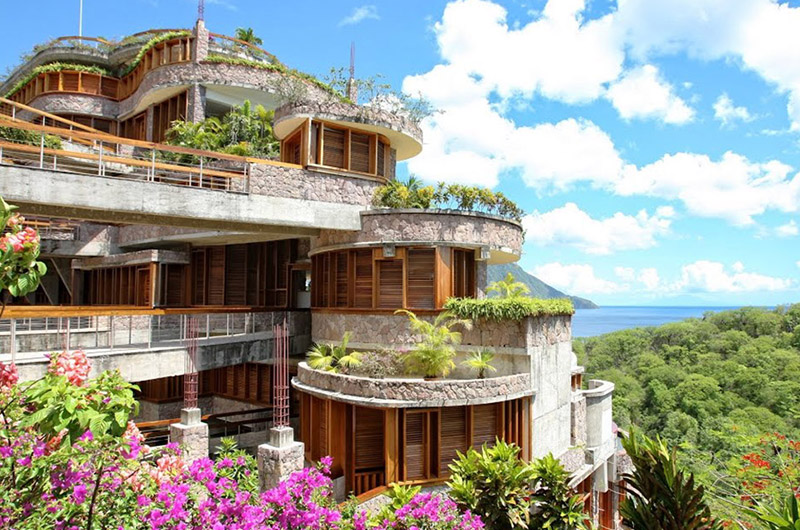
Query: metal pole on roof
<point x="201" y="10"/>
<point x="80" y="19"/>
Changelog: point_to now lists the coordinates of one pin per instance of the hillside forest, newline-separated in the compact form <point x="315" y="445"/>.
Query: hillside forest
<point x="725" y="388"/>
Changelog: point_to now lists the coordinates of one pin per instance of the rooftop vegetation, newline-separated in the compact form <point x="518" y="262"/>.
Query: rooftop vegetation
<point x="54" y="67"/>
<point x="499" y="309"/>
<point x="412" y="194"/>
<point x="157" y="39"/>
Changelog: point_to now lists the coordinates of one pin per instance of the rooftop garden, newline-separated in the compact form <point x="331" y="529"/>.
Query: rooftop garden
<point x="54" y="67"/>
<point x="412" y="194"/>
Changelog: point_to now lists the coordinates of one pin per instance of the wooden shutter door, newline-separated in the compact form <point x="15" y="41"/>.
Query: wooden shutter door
<point x="453" y="436"/>
<point x="175" y="277"/>
<point x="390" y="284"/>
<point x="341" y="278"/>
<point x="199" y="274"/>
<point x="484" y="425"/>
<point x="236" y="275"/>
<point x="416" y="447"/>
<point x="216" y="276"/>
<point x="359" y="152"/>
<point x="363" y="278"/>
<point x="420" y="277"/>
<point x="369" y="446"/>
<point x="333" y="148"/>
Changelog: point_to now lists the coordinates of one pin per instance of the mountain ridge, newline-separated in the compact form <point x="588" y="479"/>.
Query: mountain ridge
<point x="538" y="288"/>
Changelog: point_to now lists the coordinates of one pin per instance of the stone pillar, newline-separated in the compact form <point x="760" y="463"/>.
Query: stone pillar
<point x="481" y="274"/>
<point x="200" y="44"/>
<point x="148" y="131"/>
<point x="191" y="434"/>
<point x="279" y="458"/>
<point x="196" y="103"/>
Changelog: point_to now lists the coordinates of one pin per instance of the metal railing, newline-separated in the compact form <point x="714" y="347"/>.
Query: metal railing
<point x="31" y="338"/>
<point x="156" y="433"/>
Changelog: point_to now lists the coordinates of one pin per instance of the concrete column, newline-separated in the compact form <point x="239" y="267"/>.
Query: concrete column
<point x="149" y="124"/>
<point x="200" y="45"/>
<point x="191" y="434"/>
<point x="481" y="273"/>
<point x="279" y="458"/>
<point x="599" y="433"/>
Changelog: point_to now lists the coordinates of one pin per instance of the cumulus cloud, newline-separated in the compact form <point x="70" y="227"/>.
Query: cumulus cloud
<point x="575" y="279"/>
<point x="728" y="113"/>
<point x="360" y="14"/>
<point x="789" y="229"/>
<point x="712" y="277"/>
<point x="642" y="93"/>
<point x="569" y="225"/>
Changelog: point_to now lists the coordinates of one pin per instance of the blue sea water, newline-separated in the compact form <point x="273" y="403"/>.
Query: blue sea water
<point x="593" y="322"/>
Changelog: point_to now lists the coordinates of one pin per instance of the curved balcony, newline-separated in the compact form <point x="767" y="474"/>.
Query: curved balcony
<point x="67" y="82"/>
<point x="404" y="136"/>
<point x="411" y="392"/>
<point x="501" y="237"/>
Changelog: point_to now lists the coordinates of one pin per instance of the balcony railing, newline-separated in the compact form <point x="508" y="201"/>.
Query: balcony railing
<point x="228" y="424"/>
<point x="30" y="338"/>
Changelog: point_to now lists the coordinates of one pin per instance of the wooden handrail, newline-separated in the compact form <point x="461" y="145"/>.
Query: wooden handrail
<point x="244" y="43"/>
<point x="31" y="311"/>
<point x="111" y="139"/>
<point x="47" y="115"/>
<point x="79" y="37"/>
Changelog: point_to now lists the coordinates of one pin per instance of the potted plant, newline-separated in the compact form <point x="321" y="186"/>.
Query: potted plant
<point x="433" y="355"/>
<point x="481" y="361"/>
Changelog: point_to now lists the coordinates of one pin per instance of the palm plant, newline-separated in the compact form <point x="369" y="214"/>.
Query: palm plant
<point x="508" y="287"/>
<point x="248" y="35"/>
<point x="333" y="357"/>
<point x="481" y="361"/>
<point x="660" y="495"/>
<point x="433" y="355"/>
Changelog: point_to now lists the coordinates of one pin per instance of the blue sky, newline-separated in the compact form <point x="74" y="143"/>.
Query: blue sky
<point x="655" y="144"/>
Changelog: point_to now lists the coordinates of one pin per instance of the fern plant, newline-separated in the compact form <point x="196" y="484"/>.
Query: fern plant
<point x="333" y="357"/>
<point x="660" y="495"/>
<point x="433" y="355"/>
<point x="480" y="361"/>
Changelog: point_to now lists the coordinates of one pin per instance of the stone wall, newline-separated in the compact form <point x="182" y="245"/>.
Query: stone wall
<point x="74" y="104"/>
<point x="298" y="183"/>
<point x="451" y="227"/>
<point x="412" y="392"/>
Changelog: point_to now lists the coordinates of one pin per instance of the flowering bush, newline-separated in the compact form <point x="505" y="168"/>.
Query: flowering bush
<point x="20" y="271"/>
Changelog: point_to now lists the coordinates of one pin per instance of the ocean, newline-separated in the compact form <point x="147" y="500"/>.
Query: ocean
<point x="593" y="322"/>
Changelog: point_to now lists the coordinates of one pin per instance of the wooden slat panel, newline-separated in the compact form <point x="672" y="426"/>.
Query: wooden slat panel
<point x="420" y="278"/>
<point x="484" y="425"/>
<point x="216" y="276"/>
<point x="235" y="275"/>
<point x="390" y="284"/>
<point x="333" y="148"/>
<point x="359" y="152"/>
<point x="453" y="431"/>
<point x="415" y="445"/>
<point x="369" y="439"/>
<point x="341" y="278"/>
<point x="363" y="278"/>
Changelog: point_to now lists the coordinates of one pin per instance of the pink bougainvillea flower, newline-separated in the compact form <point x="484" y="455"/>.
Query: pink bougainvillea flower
<point x="8" y="376"/>
<point x="73" y="365"/>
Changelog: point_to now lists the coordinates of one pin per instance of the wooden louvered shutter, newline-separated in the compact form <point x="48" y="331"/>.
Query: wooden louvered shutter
<point x="175" y="274"/>
<point x="359" y="152"/>
<point x="333" y="148"/>
<point x="199" y="277"/>
<point x="463" y="273"/>
<point x="69" y="81"/>
<point x="216" y="276"/>
<point x="90" y="83"/>
<point x="369" y="439"/>
<point x="341" y="278"/>
<point x="236" y="275"/>
<point x="390" y="284"/>
<point x="416" y="450"/>
<point x="363" y="280"/>
<point x="453" y="431"/>
<point x="420" y="276"/>
<point x="484" y="425"/>
<point x="381" y="169"/>
<point x="254" y="271"/>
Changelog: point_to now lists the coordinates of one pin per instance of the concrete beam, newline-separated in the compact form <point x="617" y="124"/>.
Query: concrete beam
<point x="118" y="200"/>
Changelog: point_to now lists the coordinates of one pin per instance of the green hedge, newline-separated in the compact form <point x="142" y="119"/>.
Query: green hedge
<point x="516" y="308"/>
<point x="161" y="37"/>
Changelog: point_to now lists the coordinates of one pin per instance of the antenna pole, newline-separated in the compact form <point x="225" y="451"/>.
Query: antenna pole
<point x="80" y="19"/>
<point x="201" y="10"/>
<point x="352" y="60"/>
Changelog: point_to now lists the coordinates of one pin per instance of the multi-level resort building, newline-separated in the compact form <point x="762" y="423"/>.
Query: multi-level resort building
<point x="165" y="261"/>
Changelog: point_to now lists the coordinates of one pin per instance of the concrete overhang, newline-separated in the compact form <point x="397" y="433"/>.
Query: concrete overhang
<point x="118" y="200"/>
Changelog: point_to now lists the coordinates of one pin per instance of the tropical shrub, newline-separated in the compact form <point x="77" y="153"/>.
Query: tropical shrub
<point x="333" y="357"/>
<point x="157" y="39"/>
<point x="480" y="361"/>
<point x="433" y="355"/>
<point x="557" y="506"/>
<point x="20" y="271"/>
<point x="412" y="194"/>
<point x="499" y="309"/>
<point x="660" y="496"/>
<point x="508" y="287"/>
<point x="378" y="364"/>
<point x="783" y="516"/>
<point x="494" y="484"/>
<point x="22" y="136"/>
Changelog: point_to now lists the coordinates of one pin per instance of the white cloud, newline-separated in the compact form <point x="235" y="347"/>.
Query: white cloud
<point x="360" y="14"/>
<point x="649" y="278"/>
<point x="626" y="274"/>
<point x="575" y="279"/>
<point x="789" y="229"/>
<point x="711" y="276"/>
<point x="726" y="112"/>
<point x="569" y="225"/>
<point x="797" y="263"/>
<point x="641" y="93"/>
